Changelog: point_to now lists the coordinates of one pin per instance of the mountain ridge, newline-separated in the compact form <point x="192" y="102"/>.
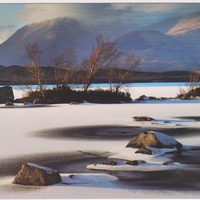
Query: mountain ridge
<point x="159" y="50"/>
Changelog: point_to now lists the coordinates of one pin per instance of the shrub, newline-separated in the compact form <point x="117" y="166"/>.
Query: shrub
<point x="67" y="95"/>
<point x="191" y="94"/>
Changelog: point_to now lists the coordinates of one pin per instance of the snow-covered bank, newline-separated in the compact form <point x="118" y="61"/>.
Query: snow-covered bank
<point x="17" y="139"/>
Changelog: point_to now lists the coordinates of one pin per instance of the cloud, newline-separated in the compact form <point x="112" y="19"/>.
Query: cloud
<point x="155" y="7"/>
<point x="158" y="8"/>
<point x="112" y="16"/>
<point x="145" y="7"/>
<point x="121" y="6"/>
<point x="6" y="32"/>
<point x="39" y="12"/>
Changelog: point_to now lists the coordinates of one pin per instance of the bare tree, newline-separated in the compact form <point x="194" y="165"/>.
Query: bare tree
<point x="101" y="57"/>
<point x="194" y="78"/>
<point x="34" y="66"/>
<point x="192" y="86"/>
<point x="63" y="68"/>
<point x="121" y="71"/>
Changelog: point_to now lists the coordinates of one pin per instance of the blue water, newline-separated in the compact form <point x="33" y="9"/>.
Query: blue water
<point x="106" y="85"/>
<point x="153" y="84"/>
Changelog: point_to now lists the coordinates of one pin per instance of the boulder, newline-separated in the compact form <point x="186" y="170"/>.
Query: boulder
<point x="135" y="162"/>
<point x="142" y="98"/>
<point x="27" y="103"/>
<point x="110" y="162"/>
<point x="6" y="94"/>
<point x="167" y="162"/>
<point x="154" y="139"/>
<point x="35" y="175"/>
<point x="142" y="118"/>
<point x="144" y="150"/>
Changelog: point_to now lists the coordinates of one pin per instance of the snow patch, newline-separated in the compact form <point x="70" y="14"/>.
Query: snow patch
<point x="161" y="151"/>
<point x="87" y="178"/>
<point x="46" y="169"/>
<point x="164" y="139"/>
<point x="140" y="167"/>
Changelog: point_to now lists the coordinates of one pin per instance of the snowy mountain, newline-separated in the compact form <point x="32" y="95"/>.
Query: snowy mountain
<point x="53" y="38"/>
<point x="158" y="51"/>
<point x="163" y="25"/>
<point x="185" y="24"/>
<point x="171" y="44"/>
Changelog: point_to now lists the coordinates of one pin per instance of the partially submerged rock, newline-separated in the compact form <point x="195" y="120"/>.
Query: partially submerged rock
<point x="142" y="118"/>
<point x="35" y="175"/>
<point x="146" y="98"/>
<point x="154" y="139"/>
<point x="142" y="98"/>
<point x="167" y="162"/>
<point x="135" y="162"/>
<point x="144" y="150"/>
<point x="27" y="103"/>
<point x="110" y="162"/>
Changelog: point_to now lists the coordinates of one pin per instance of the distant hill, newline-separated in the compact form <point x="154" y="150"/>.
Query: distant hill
<point x="18" y="75"/>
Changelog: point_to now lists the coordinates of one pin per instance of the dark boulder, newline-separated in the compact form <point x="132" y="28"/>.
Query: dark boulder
<point x="135" y="162"/>
<point x="142" y="98"/>
<point x="154" y="139"/>
<point x="110" y="162"/>
<point x="35" y="175"/>
<point x="142" y="118"/>
<point x="167" y="162"/>
<point x="144" y="150"/>
<point x="6" y="94"/>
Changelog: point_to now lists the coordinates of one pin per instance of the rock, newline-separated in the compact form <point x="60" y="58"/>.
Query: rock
<point x="6" y="94"/>
<point x="154" y="139"/>
<point x="9" y="103"/>
<point x="73" y="103"/>
<point x="71" y="176"/>
<point x="144" y="150"/>
<point x="111" y="162"/>
<point x="142" y="98"/>
<point x="32" y="174"/>
<point x="132" y="162"/>
<point x="27" y="103"/>
<point x="142" y="118"/>
<point x="153" y="98"/>
<point x="167" y="162"/>
<point x="135" y="162"/>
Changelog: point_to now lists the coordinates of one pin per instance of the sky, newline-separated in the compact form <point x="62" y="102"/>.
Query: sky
<point x="15" y="15"/>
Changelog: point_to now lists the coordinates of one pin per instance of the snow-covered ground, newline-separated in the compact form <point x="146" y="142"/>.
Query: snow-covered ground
<point x="19" y="123"/>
